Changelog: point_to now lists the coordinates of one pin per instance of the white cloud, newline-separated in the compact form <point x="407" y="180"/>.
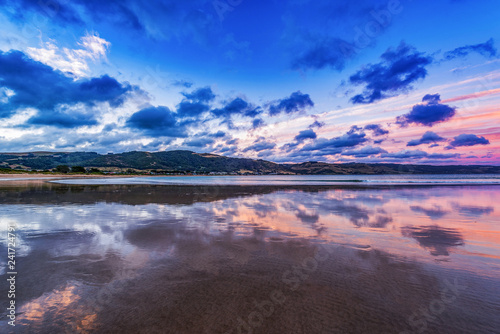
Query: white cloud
<point x="72" y="61"/>
<point x="5" y="94"/>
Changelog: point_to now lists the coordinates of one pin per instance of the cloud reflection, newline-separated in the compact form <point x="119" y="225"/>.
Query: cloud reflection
<point x="105" y="234"/>
<point x="437" y="239"/>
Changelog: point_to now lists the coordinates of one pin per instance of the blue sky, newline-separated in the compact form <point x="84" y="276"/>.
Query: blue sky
<point x="286" y="81"/>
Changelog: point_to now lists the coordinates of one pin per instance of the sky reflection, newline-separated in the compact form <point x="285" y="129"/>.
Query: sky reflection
<point x="102" y="235"/>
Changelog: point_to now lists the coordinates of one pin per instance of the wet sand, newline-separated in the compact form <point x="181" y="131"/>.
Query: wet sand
<point x="174" y="259"/>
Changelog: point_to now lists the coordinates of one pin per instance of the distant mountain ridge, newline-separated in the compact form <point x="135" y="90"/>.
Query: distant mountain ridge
<point x="202" y="163"/>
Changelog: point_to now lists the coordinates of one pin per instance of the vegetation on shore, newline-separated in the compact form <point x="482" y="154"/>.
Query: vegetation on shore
<point x="187" y="162"/>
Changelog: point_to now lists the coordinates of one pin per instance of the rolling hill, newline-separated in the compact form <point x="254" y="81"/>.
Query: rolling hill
<point x="190" y="162"/>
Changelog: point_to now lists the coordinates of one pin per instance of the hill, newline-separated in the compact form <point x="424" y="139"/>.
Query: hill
<point x="202" y="163"/>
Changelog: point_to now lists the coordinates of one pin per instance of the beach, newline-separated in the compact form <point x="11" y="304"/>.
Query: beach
<point x="150" y="258"/>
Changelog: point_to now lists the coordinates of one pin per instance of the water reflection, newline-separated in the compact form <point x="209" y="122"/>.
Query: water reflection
<point x="435" y="212"/>
<point x="472" y="210"/>
<point x="195" y="259"/>
<point x="438" y="240"/>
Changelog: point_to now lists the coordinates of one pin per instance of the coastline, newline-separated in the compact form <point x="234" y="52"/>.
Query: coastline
<point x="329" y="181"/>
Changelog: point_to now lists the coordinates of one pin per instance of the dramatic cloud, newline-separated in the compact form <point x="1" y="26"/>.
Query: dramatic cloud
<point x="157" y="121"/>
<point x="160" y="19"/>
<point x="257" y="123"/>
<point x="238" y="106"/>
<point x="260" y="146"/>
<point x="72" y="61"/>
<point x="327" y="34"/>
<point x="203" y="94"/>
<point x="64" y="119"/>
<point x="486" y="49"/>
<point x="299" y="139"/>
<point x="39" y="86"/>
<point x="427" y="113"/>
<point x="395" y="74"/>
<point x="364" y="152"/>
<point x="295" y="103"/>
<point x="306" y="134"/>
<point x="377" y="129"/>
<point x="199" y="142"/>
<point x="191" y="109"/>
<point x="418" y="154"/>
<point x="196" y="102"/>
<point x="322" y="53"/>
<point x="468" y="140"/>
<point x="316" y="124"/>
<point x="428" y="138"/>
<point x="323" y="146"/>
<point x="218" y="134"/>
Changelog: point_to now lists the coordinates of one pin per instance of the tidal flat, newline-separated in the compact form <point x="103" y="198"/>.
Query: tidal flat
<point x="145" y="258"/>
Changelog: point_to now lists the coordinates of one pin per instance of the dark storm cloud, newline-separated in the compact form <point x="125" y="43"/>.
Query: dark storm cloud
<point x="294" y="103"/>
<point x="377" y="129"/>
<point x="427" y="113"/>
<point x="468" y="140"/>
<point x="157" y="121"/>
<point x="395" y="74"/>
<point x="486" y="49"/>
<point x="428" y="138"/>
<point x="39" y="86"/>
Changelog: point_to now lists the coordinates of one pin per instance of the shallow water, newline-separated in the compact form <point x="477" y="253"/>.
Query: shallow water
<point x="448" y="179"/>
<point x="253" y="259"/>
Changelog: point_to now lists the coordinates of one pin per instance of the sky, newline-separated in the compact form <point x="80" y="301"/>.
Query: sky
<point x="396" y="81"/>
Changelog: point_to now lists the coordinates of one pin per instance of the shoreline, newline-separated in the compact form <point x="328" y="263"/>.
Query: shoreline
<point x="13" y="180"/>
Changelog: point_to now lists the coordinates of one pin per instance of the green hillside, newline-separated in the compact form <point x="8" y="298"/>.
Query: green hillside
<point x="191" y="162"/>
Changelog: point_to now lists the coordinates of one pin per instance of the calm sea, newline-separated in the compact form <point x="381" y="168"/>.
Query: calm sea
<point x="297" y="179"/>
